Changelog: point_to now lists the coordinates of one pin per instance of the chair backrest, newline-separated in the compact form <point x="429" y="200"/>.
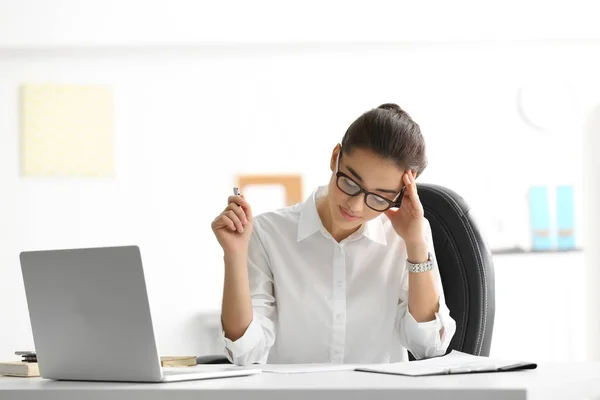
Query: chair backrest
<point x="466" y="268"/>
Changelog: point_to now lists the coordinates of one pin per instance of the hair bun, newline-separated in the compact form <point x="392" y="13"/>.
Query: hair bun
<point x="391" y="106"/>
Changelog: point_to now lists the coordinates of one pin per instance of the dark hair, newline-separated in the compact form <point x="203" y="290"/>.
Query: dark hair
<point x="391" y="133"/>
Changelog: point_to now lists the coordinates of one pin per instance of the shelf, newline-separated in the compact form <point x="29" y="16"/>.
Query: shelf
<point x="518" y="250"/>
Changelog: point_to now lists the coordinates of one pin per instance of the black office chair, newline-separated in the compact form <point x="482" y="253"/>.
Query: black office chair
<point x="466" y="268"/>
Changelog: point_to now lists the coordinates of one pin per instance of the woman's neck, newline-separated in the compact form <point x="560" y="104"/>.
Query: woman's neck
<point x="324" y="211"/>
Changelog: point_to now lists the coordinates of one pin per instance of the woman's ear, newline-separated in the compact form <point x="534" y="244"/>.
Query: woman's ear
<point x="334" y="156"/>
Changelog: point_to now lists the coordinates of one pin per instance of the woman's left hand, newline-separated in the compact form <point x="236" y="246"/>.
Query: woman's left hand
<point x="409" y="220"/>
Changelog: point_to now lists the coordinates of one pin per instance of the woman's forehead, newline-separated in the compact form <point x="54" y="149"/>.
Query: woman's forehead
<point x="373" y="169"/>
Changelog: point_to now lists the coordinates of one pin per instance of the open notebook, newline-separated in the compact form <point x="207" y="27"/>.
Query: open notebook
<point x="455" y="362"/>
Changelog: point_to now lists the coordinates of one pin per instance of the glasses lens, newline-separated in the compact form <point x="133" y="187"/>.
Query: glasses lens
<point x="377" y="203"/>
<point x="348" y="186"/>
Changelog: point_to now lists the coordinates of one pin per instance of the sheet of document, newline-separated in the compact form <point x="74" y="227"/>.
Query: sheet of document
<point x="210" y="368"/>
<point x="273" y="368"/>
<point x="455" y="362"/>
<point x="308" y="368"/>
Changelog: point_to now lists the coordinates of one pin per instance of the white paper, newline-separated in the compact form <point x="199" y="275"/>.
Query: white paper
<point x="453" y="363"/>
<point x="272" y="368"/>
<point x="308" y="368"/>
<point x="199" y="368"/>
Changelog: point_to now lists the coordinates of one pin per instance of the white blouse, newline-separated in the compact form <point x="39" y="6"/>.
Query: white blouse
<point x="319" y="301"/>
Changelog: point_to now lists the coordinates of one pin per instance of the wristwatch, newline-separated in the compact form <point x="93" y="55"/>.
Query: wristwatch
<point x="421" y="267"/>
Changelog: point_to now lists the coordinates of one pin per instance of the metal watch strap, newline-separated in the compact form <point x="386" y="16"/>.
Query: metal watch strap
<point x="421" y="267"/>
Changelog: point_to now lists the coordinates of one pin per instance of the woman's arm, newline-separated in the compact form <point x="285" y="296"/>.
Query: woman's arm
<point x="423" y="299"/>
<point x="236" y="308"/>
<point x="249" y="305"/>
<point x="424" y="321"/>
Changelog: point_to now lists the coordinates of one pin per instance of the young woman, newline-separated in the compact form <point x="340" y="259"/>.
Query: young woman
<point x="349" y="275"/>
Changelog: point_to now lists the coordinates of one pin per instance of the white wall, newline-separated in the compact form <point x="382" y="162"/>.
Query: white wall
<point x="191" y="117"/>
<point x="540" y="307"/>
<point x="591" y="179"/>
<point x="37" y="23"/>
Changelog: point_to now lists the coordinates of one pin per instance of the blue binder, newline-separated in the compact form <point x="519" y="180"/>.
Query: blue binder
<point x="565" y="218"/>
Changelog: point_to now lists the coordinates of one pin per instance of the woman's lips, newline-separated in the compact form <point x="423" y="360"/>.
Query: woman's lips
<point x="347" y="216"/>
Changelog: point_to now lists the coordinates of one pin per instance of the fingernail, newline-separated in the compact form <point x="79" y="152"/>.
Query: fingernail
<point x="242" y="229"/>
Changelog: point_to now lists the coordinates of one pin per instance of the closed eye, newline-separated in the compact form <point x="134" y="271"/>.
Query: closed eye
<point x="350" y="183"/>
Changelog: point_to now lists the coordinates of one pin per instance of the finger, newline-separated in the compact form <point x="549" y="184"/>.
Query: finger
<point x="407" y="183"/>
<point x="390" y="213"/>
<point x="411" y="186"/>
<point x="239" y="212"/>
<point x="232" y="216"/>
<point x="242" y="202"/>
<point x="239" y="200"/>
<point x="414" y="203"/>
<point x="223" y="222"/>
<point x="247" y="209"/>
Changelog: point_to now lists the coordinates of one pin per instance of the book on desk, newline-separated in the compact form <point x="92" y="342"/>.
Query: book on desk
<point x="19" y="368"/>
<point x="28" y="366"/>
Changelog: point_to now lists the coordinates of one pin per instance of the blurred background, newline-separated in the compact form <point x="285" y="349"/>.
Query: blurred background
<point x="128" y="122"/>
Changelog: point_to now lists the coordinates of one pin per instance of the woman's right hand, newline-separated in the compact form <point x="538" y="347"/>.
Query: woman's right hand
<point x="233" y="226"/>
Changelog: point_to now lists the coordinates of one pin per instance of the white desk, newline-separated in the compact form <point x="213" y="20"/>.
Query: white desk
<point x="552" y="381"/>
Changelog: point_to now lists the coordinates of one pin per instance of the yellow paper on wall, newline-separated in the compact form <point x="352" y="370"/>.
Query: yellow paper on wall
<point x="67" y="130"/>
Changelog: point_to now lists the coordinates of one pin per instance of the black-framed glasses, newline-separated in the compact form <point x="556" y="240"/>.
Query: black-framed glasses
<point x="374" y="201"/>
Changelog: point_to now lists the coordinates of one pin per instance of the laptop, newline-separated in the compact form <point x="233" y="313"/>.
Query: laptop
<point x="91" y="320"/>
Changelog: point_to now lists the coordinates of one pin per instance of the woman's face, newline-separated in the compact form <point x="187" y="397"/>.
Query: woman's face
<point x="369" y="171"/>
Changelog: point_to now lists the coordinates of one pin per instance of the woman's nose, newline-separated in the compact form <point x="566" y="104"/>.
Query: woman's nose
<point x="356" y="203"/>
